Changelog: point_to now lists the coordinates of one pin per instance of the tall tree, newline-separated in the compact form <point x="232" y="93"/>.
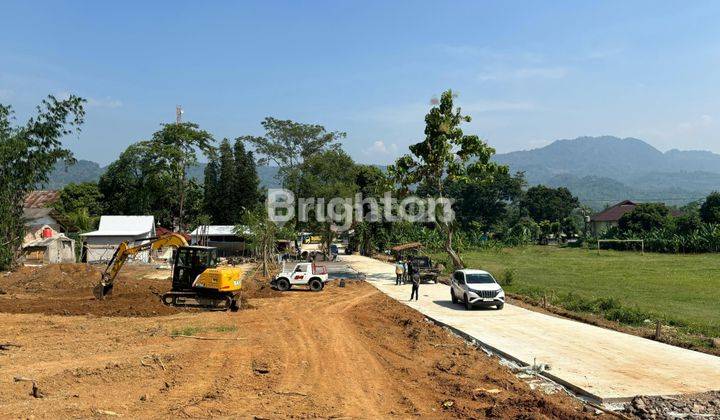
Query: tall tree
<point x="81" y="205"/>
<point x="327" y="175"/>
<point x="246" y="184"/>
<point x="644" y="218"/>
<point x="28" y="154"/>
<point x="212" y="187"/>
<point x="710" y="208"/>
<point x="287" y="143"/>
<point x="227" y="214"/>
<point x="546" y="203"/>
<point x="178" y="143"/>
<point x="446" y="154"/>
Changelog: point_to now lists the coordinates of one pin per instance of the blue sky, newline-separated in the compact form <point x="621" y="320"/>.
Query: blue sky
<point x="527" y="72"/>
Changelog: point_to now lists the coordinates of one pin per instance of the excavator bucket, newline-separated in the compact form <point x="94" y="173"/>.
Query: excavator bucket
<point x="102" y="290"/>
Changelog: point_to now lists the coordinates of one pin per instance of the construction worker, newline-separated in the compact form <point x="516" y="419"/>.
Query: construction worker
<point x="406" y="277"/>
<point x="399" y="272"/>
<point x="414" y="274"/>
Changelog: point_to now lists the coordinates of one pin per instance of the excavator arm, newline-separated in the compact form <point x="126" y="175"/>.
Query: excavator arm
<point x="123" y="251"/>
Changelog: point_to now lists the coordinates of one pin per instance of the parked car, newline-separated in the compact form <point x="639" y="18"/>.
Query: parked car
<point x="301" y="274"/>
<point x="476" y="288"/>
<point x="428" y="272"/>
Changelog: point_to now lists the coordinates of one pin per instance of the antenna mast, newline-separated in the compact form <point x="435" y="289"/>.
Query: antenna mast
<point x="178" y="114"/>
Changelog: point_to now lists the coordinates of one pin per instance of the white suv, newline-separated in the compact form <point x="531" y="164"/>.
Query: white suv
<point x="476" y="288"/>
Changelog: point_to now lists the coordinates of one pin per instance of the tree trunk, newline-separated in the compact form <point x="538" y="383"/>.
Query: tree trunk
<point x="457" y="262"/>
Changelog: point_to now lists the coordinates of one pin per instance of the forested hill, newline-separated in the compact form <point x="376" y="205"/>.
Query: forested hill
<point x="599" y="170"/>
<point x="88" y="171"/>
<point x="602" y="170"/>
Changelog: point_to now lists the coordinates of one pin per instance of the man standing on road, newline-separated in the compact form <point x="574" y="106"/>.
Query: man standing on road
<point x="399" y="272"/>
<point x="406" y="277"/>
<point x="415" y="278"/>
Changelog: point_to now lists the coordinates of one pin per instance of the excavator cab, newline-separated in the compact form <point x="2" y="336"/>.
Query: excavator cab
<point x="189" y="263"/>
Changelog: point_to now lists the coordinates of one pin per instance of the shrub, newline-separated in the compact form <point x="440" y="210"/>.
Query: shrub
<point x="508" y="277"/>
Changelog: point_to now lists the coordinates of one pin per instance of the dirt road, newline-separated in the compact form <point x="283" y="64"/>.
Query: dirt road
<point x="343" y="352"/>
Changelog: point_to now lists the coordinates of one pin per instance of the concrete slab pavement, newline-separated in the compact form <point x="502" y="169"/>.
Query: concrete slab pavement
<point x="600" y="363"/>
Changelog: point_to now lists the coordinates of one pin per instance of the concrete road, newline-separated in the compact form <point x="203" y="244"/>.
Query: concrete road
<point x="601" y="363"/>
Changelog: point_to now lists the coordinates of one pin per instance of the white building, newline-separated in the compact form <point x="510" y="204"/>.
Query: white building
<point x="113" y="230"/>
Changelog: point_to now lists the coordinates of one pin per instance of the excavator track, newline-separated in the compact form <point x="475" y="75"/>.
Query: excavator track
<point x="191" y="299"/>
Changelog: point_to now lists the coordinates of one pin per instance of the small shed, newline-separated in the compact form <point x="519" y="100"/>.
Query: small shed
<point x="54" y="249"/>
<point x="114" y="230"/>
<point x="223" y="237"/>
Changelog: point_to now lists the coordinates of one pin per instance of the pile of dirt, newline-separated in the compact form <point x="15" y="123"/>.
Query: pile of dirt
<point x="344" y="352"/>
<point x="66" y="289"/>
<point x="464" y="381"/>
<point x="256" y="286"/>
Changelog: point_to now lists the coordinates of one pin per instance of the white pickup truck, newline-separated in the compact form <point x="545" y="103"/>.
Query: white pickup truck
<point x="301" y="274"/>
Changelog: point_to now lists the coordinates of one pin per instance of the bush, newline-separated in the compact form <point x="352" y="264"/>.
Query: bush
<point x="508" y="277"/>
<point x="630" y="316"/>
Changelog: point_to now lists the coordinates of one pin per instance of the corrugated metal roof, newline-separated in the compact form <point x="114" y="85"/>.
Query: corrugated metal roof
<point x="124" y="226"/>
<point x="614" y="213"/>
<point x="217" y="230"/>
<point x="41" y="198"/>
<point x="36" y="213"/>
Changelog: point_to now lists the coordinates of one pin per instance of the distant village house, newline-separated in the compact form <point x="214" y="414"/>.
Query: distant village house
<point x="45" y="241"/>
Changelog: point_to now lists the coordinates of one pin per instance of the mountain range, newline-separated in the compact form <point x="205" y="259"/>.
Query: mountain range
<point x="599" y="170"/>
<point x="605" y="170"/>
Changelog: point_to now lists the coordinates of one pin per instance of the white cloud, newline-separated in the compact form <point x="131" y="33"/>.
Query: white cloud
<point x="379" y="147"/>
<point x="701" y="122"/>
<point x="497" y="106"/>
<point x="6" y="94"/>
<point x="524" y="73"/>
<point x="92" y="102"/>
<point x="106" y="102"/>
<point x="603" y="53"/>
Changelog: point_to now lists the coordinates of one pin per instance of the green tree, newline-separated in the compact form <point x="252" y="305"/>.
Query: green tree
<point x="141" y="182"/>
<point x="644" y="218"/>
<point x="327" y="175"/>
<point x="176" y="145"/>
<point x="371" y="183"/>
<point x="710" y="208"/>
<point x="545" y="203"/>
<point x="212" y="196"/>
<point x="263" y="237"/>
<point x="74" y="197"/>
<point x="446" y="154"/>
<point x="28" y="154"/>
<point x="247" y="184"/>
<point x="485" y="204"/>
<point x="226" y="214"/>
<point x="80" y="206"/>
<point x="287" y="143"/>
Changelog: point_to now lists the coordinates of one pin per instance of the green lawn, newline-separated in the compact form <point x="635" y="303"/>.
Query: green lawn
<point x="680" y="288"/>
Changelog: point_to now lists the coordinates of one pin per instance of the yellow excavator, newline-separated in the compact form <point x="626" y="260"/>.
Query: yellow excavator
<point x="197" y="281"/>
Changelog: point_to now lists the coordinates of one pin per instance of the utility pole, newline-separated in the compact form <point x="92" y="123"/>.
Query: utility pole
<point x="178" y="114"/>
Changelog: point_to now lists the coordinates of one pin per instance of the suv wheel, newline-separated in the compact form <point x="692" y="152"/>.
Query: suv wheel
<point x="316" y="285"/>
<point x="452" y="296"/>
<point x="283" y="285"/>
<point x="468" y="305"/>
<point x="500" y="306"/>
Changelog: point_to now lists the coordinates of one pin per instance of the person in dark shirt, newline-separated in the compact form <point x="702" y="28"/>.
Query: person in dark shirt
<point x="415" y="279"/>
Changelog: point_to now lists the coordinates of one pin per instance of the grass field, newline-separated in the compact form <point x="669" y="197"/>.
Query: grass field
<point x="680" y="289"/>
